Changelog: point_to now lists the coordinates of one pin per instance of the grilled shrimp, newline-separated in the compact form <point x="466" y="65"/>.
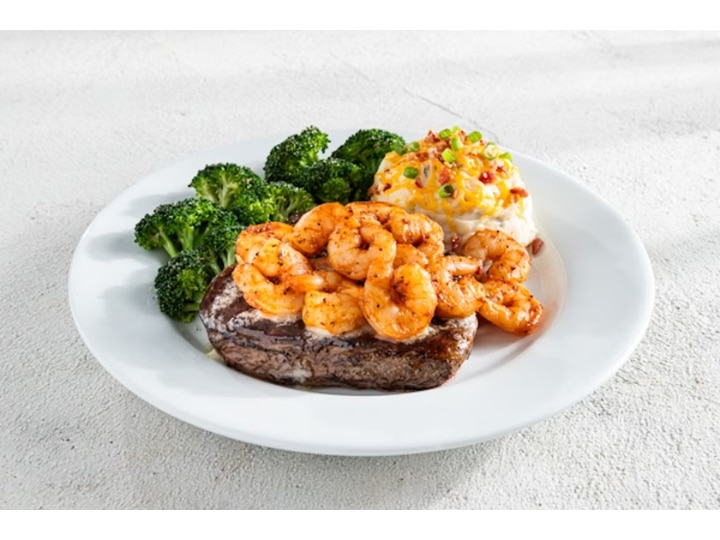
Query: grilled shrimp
<point x="253" y="238"/>
<point x="319" y="280"/>
<point x="458" y="292"/>
<point x="419" y="231"/>
<point x="399" y="303"/>
<point x="332" y="301"/>
<point x="406" y="253"/>
<point x="507" y="258"/>
<point x="510" y="306"/>
<point x="356" y="243"/>
<point x="380" y="211"/>
<point x="272" y="299"/>
<point x="312" y="231"/>
<point x="336" y="312"/>
<point x="266" y="282"/>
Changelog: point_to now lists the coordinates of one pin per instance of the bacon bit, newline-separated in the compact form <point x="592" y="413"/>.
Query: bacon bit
<point x="454" y="194"/>
<point x="487" y="177"/>
<point x="444" y="177"/>
<point x="519" y="191"/>
<point x="386" y="187"/>
<point x="500" y="169"/>
<point x="432" y="137"/>
<point x="418" y="183"/>
<point x="536" y="245"/>
<point x="439" y="149"/>
<point x="422" y="156"/>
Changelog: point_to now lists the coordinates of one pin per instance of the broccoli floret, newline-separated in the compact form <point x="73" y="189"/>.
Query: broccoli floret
<point x="156" y="231"/>
<point x="367" y="148"/>
<point x="221" y="183"/>
<point x="219" y="245"/>
<point x="251" y="209"/>
<point x="180" y="225"/>
<point x="238" y="189"/>
<point x="334" y="179"/>
<point x="287" y="159"/>
<point x="289" y="201"/>
<point x="235" y="188"/>
<point x="180" y="284"/>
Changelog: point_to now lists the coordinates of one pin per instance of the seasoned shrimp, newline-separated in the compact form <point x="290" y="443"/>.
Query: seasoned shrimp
<point x="332" y="301"/>
<point x="266" y="283"/>
<point x="458" y="292"/>
<point x="357" y="243"/>
<point x="507" y="258"/>
<point x="253" y="238"/>
<point x="311" y="233"/>
<point x="277" y="259"/>
<point x="380" y="211"/>
<point x="319" y="280"/>
<point x="261" y="292"/>
<point x="406" y="254"/>
<point x="399" y="303"/>
<point x="510" y="306"/>
<point x="419" y="231"/>
<point x="336" y="312"/>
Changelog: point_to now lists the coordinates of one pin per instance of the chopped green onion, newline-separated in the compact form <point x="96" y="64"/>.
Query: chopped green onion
<point x="448" y="155"/>
<point x="474" y="137"/>
<point x="491" y="150"/>
<point x="399" y="149"/>
<point x="445" y="134"/>
<point x="456" y="144"/>
<point x="410" y="172"/>
<point x="505" y="155"/>
<point x="455" y="129"/>
<point x="446" y="191"/>
<point x="413" y="146"/>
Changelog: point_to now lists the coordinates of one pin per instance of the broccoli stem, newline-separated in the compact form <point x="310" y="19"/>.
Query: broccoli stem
<point x="168" y="245"/>
<point x="215" y="266"/>
<point x="225" y="196"/>
<point x="187" y="238"/>
<point x="192" y="307"/>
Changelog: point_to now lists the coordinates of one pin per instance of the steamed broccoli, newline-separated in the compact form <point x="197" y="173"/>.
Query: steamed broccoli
<point x="235" y="188"/>
<point x="180" y="284"/>
<point x="287" y="159"/>
<point x="180" y="225"/>
<point x="334" y="179"/>
<point x="221" y="183"/>
<point x="251" y="208"/>
<point x="366" y="149"/>
<point x="156" y="230"/>
<point x="219" y="246"/>
<point x="289" y="201"/>
<point x="252" y="199"/>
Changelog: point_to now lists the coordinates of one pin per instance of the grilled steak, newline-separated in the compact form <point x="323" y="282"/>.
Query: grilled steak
<point x="288" y="353"/>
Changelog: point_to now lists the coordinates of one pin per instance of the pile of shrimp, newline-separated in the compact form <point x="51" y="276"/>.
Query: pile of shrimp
<point x="342" y="268"/>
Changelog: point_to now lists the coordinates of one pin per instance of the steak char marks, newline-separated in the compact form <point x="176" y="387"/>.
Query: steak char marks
<point x="285" y="352"/>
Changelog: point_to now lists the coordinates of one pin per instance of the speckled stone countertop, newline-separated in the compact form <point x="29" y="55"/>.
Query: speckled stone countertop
<point x="633" y="116"/>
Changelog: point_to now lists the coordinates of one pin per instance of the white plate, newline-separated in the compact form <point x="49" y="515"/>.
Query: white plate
<point x="593" y="276"/>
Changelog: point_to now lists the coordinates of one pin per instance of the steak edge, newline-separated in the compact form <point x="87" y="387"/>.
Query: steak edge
<point x="287" y="353"/>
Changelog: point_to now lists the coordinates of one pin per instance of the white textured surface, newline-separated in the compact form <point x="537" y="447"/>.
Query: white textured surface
<point x="634" y="116"/>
